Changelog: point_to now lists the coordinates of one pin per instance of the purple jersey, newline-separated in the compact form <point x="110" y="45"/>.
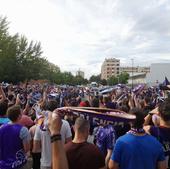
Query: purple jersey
<point x="12" y="155"/>
<point x="105" y="138"/>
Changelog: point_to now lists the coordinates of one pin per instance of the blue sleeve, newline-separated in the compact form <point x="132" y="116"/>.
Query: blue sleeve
<point x="25" y="135"/>
<point x="116" y="155"/>
<point x="110" y="140"/>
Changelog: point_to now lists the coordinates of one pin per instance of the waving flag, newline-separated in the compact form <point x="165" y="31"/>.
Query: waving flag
<point x="165" y="85"/>
<point x="166" y="82"/>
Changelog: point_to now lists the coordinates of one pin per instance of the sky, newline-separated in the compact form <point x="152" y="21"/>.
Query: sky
<point x="80" y="34"/>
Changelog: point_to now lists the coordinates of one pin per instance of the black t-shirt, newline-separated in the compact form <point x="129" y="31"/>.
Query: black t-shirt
<point x="163" y="135"/>
<point x="84" y="156"/>
<point x="121" y="130"/>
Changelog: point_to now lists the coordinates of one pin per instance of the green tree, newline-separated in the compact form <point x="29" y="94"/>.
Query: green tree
<point x="95" y="78"/>
<point x="21" y="60"/>
<point x="112" y="81"/>
<point x="79" y="80"/>
<point x="67" y="78"/>
<point x="18" y="58"/>
<point x="123" y="78"/>
<point x="103" y="82"/>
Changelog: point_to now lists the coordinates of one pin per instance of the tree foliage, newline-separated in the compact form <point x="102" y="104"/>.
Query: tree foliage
<point x="95" y="78"/>
<point x="122" y="78"/>
<point x="112" y="80"/>
<point x="21" y="60"/>
<point x="103" y="82"/>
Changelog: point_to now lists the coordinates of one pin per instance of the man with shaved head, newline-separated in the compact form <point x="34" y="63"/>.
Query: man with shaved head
<point x="80" y="153"/>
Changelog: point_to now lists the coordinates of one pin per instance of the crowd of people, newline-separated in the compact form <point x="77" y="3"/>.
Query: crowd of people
<point x="35" y="134"/>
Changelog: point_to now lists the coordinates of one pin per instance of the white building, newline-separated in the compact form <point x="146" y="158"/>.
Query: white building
<point x="157" y="74"/>
<point x="80" y="73"/>
<point x="137" y="78"/>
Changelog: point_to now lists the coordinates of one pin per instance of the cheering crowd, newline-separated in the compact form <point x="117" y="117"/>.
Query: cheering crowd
<point x="35" y="134"/>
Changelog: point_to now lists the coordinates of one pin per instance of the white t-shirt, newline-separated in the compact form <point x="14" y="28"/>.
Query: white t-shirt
<point x="44" y="137"/>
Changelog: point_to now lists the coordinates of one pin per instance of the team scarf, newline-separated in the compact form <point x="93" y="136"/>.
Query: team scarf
<point x="103" y="116"/>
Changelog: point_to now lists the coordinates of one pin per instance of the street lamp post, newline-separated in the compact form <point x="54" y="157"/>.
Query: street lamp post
<point x="132" y="71"/>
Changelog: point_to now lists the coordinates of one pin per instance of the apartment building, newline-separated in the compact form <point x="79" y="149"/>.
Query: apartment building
<point x="110" y="67"/>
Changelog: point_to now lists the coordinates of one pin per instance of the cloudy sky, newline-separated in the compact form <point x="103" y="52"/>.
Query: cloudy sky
<point x="80" y="34"/>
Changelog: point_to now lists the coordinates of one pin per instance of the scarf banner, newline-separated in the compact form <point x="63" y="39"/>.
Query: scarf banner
<point x="99" y="115"/>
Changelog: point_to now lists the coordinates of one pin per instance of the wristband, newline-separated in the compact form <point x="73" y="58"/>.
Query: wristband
<point x="55" y="137"/>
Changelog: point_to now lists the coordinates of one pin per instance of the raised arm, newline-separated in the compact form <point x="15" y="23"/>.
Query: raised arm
<point x="59" y="160"/>
<point x="2" y="94"/>
<point x="44" y="99"/>
<point x="131" y="102"/>
<point x="148" y="118"/>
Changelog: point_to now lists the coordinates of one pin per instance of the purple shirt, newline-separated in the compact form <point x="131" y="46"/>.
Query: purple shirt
<point x="105" y="138"/>
<point x="12" y="154"/>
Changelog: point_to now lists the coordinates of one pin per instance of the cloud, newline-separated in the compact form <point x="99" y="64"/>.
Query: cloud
<point x="82" y="33"/>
